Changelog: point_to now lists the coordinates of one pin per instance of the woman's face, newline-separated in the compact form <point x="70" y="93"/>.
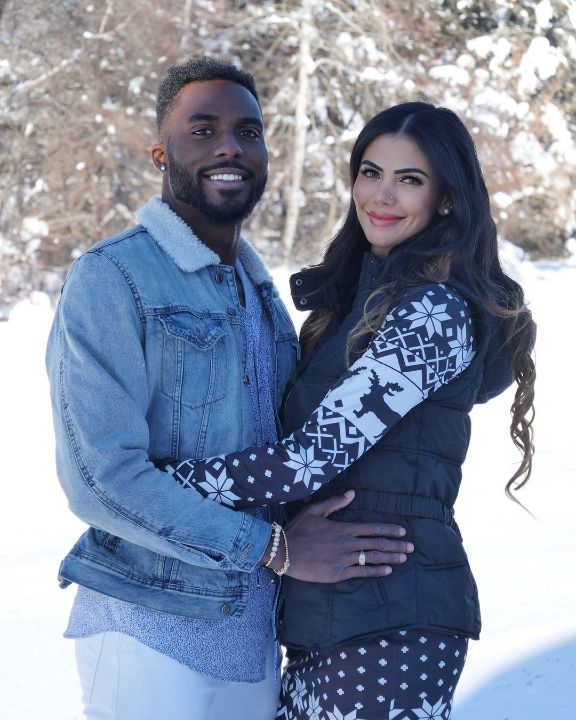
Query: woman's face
<point x="396" y="192"/>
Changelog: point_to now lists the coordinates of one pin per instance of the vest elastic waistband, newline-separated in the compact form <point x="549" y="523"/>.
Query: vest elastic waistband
<point x="410" y="505"/>
<point x="397" y="504"/>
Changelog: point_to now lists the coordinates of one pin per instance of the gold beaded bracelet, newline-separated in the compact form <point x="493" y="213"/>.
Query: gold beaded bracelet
<point x="286" y="565"/>
<point x="277" y="529"/>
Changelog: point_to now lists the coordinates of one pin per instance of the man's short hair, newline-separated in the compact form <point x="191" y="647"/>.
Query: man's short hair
<point x="196" y="69"/>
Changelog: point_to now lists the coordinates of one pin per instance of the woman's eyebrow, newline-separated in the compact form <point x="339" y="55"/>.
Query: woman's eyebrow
<point x="369" y="162"/>
<point x="410" y="170"/>
<point x="400" y="171"/>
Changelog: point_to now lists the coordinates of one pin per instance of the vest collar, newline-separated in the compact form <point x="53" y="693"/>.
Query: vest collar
<point x="310" y="293"/>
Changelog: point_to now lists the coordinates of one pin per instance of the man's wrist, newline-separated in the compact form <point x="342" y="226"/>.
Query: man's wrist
<point x="265" y="559"/>
<point x="276" y="554"/>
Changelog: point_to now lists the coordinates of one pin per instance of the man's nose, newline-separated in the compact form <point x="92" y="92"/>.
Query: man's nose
<point x="229" y="145"/>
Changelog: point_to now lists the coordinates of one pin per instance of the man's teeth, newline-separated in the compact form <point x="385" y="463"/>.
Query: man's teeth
<point x="226" y="177"/>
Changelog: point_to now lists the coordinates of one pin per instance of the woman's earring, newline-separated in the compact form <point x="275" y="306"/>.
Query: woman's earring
<point x="446" y="211"/>
<point x="162" y="168"/>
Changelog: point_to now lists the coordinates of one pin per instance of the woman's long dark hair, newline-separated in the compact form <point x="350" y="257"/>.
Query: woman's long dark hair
<point x="462" y="245"/>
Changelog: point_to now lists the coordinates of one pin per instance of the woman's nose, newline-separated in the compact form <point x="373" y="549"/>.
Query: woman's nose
<point x="385" y="195"/>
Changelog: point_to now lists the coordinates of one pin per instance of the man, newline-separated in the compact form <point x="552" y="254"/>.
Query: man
<point x="171" y="341"/>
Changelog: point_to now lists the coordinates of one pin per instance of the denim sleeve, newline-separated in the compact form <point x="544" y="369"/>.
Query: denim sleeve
<point x="99" y="387"/>
<point x="425" y="341"/>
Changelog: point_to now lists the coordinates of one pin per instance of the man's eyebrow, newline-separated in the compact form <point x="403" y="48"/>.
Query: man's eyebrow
<point x="209" y="117"/>
<point x="410" y="170"/>
<point x="251" y="121"/>
<point x="202" y="116"/>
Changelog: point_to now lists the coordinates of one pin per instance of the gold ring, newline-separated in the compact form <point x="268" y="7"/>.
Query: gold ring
<point x="362" y="558"/>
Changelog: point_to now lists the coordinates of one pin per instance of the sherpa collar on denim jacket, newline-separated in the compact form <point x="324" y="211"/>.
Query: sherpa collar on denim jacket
<point x="187" y="251"/>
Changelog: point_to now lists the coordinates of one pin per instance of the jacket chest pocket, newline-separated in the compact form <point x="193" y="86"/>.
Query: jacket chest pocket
<point x="194" y="359"/>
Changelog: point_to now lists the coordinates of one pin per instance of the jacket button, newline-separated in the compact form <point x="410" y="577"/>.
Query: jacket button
<point x="219" y="278"/>
<point x="226" y="609"/>
<point x="298" y="282"/>
<point x="246" y="380"/>
<point x="231" y="312"/>
<point x="303" y="301"/>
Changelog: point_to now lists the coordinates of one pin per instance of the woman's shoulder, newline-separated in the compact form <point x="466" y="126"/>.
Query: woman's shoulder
<point x="432" y="298"/>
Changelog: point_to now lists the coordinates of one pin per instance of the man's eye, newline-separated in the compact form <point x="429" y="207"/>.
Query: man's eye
<point x="251" y="133"/>
<point x="202" y="131"/>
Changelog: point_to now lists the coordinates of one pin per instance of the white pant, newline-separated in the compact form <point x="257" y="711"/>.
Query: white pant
<point x="122" y="679"/>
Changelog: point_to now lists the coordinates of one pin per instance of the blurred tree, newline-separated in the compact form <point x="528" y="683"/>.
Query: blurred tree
<point x="77" y="84"/>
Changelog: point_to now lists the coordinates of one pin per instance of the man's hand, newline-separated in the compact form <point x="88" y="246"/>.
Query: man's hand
<point x="326" y="551"/>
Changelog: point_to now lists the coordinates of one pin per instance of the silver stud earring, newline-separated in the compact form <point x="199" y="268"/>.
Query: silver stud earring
<point x="163" y="168"/>
<point x="446" y="210"/>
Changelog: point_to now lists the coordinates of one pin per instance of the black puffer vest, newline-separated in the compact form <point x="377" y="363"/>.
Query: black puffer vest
<point x="411" y="477"/>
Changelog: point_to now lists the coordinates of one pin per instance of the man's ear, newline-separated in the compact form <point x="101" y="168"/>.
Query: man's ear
<point x="158" y="153"/>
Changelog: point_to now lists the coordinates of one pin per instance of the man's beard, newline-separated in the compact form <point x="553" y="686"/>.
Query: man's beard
<point x="188" y="188"/>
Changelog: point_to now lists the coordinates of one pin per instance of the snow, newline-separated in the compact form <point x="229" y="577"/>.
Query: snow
<point x="524" y="667"/>
<point x="33" y="226"/>
<point x="502" y="199"/>
<point x="526" y="148"/>
<point x="540" y="62"/>
<point x="482" y="45"/>
<point x="563" y="145"/>
<point x="572" y="13"/>
<point x="544" y="14"/>
<point x="451" y="74"/>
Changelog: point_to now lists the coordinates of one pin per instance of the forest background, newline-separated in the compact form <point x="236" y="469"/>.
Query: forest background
<point x="77" y="94"/>
<point x="77" y="85"/>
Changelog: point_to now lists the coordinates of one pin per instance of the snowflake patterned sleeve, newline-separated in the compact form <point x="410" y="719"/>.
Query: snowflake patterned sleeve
<point x="425" y="341"/>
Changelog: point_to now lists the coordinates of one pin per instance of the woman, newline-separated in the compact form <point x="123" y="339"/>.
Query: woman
<point x="413" y="322"/>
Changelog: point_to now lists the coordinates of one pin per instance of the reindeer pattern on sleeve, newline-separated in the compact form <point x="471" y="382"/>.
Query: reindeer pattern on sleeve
<point x="426" y="340"/>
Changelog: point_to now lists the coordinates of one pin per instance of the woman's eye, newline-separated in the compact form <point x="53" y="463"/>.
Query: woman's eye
<point x="369" y="173"/>
<point x="410" y="180"/>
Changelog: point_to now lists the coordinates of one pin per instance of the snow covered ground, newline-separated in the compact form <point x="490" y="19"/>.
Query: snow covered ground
<point x="524" y="668"/>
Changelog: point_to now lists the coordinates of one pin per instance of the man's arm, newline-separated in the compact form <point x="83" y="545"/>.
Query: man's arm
<point x="100" y="399"/>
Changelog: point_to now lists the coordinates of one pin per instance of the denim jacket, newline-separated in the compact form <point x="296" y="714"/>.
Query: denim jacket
<point x="146" y="360"/>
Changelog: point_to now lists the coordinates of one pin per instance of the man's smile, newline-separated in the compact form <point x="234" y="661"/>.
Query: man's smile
<point x="228" y="178"/>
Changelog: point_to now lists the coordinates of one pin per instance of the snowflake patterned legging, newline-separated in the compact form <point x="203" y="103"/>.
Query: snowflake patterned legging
<point x="405" y="675"/>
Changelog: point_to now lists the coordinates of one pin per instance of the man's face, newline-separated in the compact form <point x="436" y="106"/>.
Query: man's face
<point x="217" y="157"/>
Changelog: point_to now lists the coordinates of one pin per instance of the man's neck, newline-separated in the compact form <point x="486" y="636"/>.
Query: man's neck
<point x="222" y="239"/>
